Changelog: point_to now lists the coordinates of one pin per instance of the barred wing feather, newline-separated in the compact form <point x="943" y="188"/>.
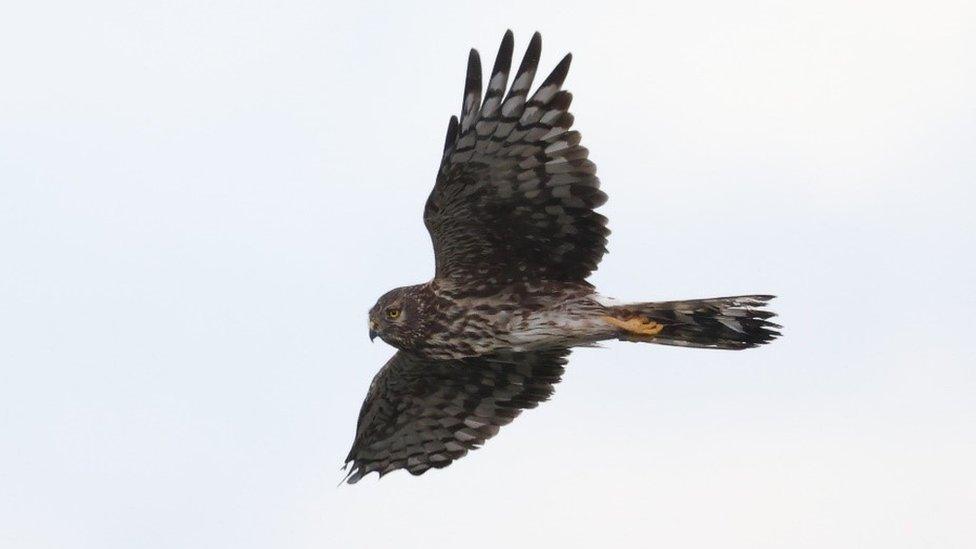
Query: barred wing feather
<point x="421" y="414"/>
<point x="515" y="194"/>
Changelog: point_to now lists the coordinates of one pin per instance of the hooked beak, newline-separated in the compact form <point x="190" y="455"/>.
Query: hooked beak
<point x="372" y="330"/>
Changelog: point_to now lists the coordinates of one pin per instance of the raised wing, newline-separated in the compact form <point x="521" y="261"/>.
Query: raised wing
<point x="421" y="414"/>
<point x="515" y="194"/>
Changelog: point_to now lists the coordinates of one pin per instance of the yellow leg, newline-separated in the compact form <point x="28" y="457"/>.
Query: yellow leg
<point x="637" y="325"/>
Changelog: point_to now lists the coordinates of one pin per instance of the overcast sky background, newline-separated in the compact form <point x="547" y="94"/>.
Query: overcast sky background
<point x="200" y="201"/>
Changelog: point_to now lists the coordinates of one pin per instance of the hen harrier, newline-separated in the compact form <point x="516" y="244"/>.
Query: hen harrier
<point x="515" y="236"/>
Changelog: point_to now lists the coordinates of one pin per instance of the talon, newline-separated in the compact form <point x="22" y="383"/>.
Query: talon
<point x="637" y="325"/>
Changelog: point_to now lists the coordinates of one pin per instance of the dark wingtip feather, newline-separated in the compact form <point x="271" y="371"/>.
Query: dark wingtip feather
<point x="452" y="130"/>
<point x="534" y="51"/>
<point x="527" y="68"/>
<point x="558" y="74"/>
<point x="472" y="81"/>
<point x="532" y="55"/>
<point x="471" y="101"/>
<point x="508" y="41"/>
<point x="503" y="61"/>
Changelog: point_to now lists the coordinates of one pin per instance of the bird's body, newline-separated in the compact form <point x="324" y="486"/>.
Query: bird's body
<point x="517" y="317"/>
<point x="515" y="233"/>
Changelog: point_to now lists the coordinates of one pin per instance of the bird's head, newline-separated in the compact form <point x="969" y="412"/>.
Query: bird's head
<point x="396" y="317"/>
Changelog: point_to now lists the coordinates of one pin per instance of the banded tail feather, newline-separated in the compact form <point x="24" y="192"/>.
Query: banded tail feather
<point x="737" y="322"/>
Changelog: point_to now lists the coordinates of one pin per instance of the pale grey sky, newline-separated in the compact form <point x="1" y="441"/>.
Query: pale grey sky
<point x="200" y="201"/>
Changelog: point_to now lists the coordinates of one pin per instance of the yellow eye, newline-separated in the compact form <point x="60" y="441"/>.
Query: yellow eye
<point x="392" y="313"/>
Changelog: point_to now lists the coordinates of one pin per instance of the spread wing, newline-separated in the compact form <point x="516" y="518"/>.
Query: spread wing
<point x="515" y="194"/>
<point x="421" y="414"/>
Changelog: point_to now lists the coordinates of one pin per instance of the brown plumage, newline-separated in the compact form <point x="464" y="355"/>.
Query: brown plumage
<point x="515" y="235"/>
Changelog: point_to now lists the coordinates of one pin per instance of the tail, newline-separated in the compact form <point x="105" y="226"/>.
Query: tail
<point x="720" y="323"/>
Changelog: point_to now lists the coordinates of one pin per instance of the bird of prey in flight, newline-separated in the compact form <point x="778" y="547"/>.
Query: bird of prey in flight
<point x="511" y="217"/>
